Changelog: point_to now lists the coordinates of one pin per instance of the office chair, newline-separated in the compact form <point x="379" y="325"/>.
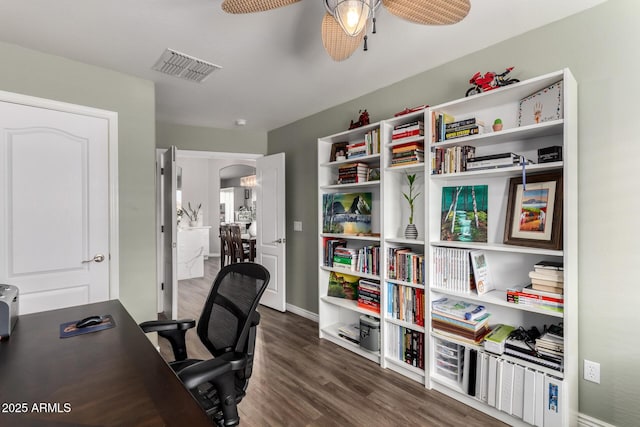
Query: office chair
<point x="227" y="328"/>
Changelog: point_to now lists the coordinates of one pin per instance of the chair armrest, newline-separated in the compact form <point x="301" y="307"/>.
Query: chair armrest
<point x="204" y="371"/>
<point x="167" y="325"/>
<point x="172" y="330"/>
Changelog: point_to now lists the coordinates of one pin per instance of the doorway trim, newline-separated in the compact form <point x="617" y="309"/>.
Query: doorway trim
<point x="183" y="153"/>
<point x="112" y="119"/>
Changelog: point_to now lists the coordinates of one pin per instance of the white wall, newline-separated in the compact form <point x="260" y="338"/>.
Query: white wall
<point x="201" y="184"/>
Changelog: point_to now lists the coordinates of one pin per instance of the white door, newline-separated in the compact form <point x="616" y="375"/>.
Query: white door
<point x="54" y="206"/>
<point x="169" y="234"/>
<point x="271" y="222"/>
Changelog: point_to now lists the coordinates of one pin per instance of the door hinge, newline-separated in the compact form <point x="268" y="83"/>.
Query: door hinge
<point x="162" y="228"/>
<point x="161" y="171"/>
<point x="162" y="286"/>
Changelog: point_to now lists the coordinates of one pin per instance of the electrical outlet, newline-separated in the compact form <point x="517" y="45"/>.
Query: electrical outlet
<point x="592" y="371"/>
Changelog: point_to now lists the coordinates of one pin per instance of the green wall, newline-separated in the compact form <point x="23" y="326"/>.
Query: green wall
<point x="33" y="73"/>
<point x="600" y="47"/>
<point x="210" y="139"/>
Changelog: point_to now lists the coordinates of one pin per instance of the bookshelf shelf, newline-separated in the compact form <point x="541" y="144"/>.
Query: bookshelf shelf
<point x="497" y="247"/>
<point x="404" y="324"/>
<point x="349" y="305"/>
<point x="349" y="272"/>
<point x="509" y="264"/>
<point x="403" y="283"/>
<point x="496" y="297"/>
<point x="351" y="237"/>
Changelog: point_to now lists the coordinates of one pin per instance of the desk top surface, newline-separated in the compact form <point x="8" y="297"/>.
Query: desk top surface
<point x="109" y="377"/>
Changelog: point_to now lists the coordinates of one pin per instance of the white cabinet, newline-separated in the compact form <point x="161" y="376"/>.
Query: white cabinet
<point x="193" y="249"/>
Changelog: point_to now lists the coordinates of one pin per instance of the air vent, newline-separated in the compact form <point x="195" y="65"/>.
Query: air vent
<point x="183" y="66"/>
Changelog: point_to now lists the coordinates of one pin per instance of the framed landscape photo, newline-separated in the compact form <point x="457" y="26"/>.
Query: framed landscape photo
<point x="534" y="212"/>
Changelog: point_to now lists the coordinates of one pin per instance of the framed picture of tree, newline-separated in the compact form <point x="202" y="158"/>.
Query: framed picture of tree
<point x="534" y="212"/>
<point x="464" y="213"/>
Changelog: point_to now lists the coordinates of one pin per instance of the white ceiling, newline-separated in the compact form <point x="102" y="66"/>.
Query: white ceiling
<point x="275" y="69"/>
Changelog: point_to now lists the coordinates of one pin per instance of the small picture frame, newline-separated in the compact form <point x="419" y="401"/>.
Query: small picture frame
<point x="534" y="212"/>
<point x="337" y="147"/>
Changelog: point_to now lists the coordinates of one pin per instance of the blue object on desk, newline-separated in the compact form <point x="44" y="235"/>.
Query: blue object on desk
<point x="69" y="329"/>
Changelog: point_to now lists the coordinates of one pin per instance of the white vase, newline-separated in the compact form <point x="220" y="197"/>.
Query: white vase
<point x="253" y="229"/>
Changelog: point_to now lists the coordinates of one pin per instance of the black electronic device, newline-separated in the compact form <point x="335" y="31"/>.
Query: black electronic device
<point x="89" y="321"/>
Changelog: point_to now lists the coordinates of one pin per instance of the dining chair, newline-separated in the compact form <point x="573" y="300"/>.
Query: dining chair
<point x="240" y="251"/>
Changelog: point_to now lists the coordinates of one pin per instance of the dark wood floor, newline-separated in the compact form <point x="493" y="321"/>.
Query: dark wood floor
<point x="300" y="380"/>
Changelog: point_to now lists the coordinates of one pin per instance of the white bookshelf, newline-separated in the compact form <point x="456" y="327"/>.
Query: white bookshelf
<point x="509" y="264"/>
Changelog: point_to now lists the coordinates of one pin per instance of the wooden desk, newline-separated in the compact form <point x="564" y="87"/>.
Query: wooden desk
<point x="112" y="377"/>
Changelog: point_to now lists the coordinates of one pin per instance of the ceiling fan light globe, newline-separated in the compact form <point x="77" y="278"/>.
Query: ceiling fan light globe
<point x="352" y="15"/>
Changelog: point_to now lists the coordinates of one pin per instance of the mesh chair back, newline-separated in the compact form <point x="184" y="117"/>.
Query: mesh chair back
<point x="226" y="317"/>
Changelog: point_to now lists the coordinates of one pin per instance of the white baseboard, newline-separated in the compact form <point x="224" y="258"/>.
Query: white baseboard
<point x="587" y="421"/>
<point x="302" y="312"/>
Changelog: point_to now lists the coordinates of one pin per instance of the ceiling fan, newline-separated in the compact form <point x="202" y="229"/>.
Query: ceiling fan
<point x="344" y="26"/>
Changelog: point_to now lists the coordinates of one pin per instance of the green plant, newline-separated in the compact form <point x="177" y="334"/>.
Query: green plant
<point x="411" y="179"/>
<point x="191" y="213"/>
<point x="497" y="122"/>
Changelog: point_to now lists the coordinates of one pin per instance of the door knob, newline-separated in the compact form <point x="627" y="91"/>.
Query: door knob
<point x="97" y="258"/>
<point x="280" y="241"/>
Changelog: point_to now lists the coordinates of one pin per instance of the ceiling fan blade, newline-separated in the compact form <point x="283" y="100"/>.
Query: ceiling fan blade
<point x="336" y="42"/>
<point x="429" y="12"/>
<point x="250" y="6"/>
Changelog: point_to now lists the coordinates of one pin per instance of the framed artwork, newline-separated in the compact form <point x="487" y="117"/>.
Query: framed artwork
<point x="338" y="149"/>
<point x="346" y="213"/>
<point x="464" y="213"/>
<point x="534" y="213"/>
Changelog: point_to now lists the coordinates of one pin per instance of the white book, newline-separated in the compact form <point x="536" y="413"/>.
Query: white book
<point x="506" y="392"/>
<point x="538" y="418"/>
<point x="517" y="404"/>
<point x="492" y="376"/>
<point x="552" y="402"/>
<point x="481" y="272"/>
<point x="528" y="408"/>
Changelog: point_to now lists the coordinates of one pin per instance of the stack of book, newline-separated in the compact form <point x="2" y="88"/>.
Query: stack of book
<point x="407" y="130"/>
<point x="451" y="159"/>
<point x="548" y="276"/>
<point x="353" y="173"/>
<point x="551" y="343"/>
<point x="345" y="258"/>
<point x="406" y="303"/>
<point x="523" y="345"/>
<point x="405" y="265"/>
<point x="369" y="295"/>
<point x="501" y="160"/>
<point x="463" y="128"/>
<point x="461" y="320"/>
<point x="535" y="298"/>
<point x="409" y="153"/>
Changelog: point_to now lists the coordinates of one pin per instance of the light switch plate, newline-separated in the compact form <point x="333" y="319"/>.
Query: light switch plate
<point x="297" y="225"/>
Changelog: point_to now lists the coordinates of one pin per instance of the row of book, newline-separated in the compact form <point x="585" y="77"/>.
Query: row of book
<point x="406" y="265"/>
<point x="406" y="345"/>
<point x="362" y="260"/>
<point x="409" y="153"/>
<point x="406" y="303"/>
<point x="369" y="295"/>
<point x="459" y="319"/>
<point x="451" y="159"/>
<point x="370" y="145"/>
<point x="452" y="270"/>
<point x="352" y="173"/>
<point x="447" y="128"/>
<point x="525" y="393"/>
<point x="407" y="130"/>
<point x="535" y="298"/>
